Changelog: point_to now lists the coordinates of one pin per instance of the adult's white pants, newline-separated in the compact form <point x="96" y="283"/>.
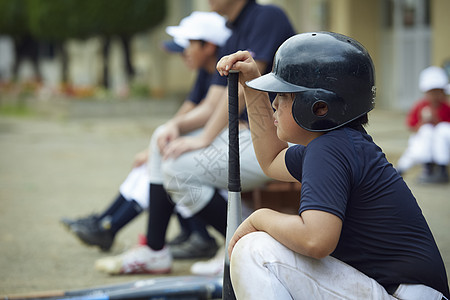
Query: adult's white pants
<point x="192" y="178"/>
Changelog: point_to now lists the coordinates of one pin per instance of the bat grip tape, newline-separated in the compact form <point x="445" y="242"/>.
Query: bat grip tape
<point x="234" y="177"/>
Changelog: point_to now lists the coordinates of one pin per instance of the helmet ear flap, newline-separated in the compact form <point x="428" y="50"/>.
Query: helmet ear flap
<point x="316" y="109"/>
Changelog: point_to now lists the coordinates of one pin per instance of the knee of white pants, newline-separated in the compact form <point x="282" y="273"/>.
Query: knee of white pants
<point x="441" y="144"/>
<point x="418" y="150"/>
<point x="154" y="138"/>
<point x="185" y="188"/>
<point x="443" y="128"/>
<point x="249" y="274"/>
<point x="426" y="130"/>
<point x="421" y="143"/>
<point x="260" y="246"/>
<point x="263" y="268"/>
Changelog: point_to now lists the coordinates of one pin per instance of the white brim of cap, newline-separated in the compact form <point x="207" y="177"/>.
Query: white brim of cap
<point x="180" y="33"/>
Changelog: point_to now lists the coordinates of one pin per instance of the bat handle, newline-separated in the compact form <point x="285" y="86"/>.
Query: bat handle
<point x="234" y="178"/>
<point x="234" y="213"/>
<point x="234" y="175"/>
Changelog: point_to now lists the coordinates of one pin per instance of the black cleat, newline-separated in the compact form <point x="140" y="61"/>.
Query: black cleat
<point x="68" y="223"/>
<point x="194" y="247"/>
<point x="93" y="234"/>
<point x="179" y="239"/>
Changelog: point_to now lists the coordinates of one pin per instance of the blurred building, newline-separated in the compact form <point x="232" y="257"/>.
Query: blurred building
<point x="402" y="36"/>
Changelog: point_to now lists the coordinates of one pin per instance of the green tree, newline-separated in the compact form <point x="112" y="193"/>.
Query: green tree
<point x="62" y="19"/>
<point x="124" y="19"/>
<point x="13" y="17"/>
<point x="14" y="23"/>
<point x="55" y="21"/>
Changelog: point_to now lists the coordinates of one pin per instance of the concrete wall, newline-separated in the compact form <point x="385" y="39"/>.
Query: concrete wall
<point x="359" y="19"/>
<point x="440" y="22"/>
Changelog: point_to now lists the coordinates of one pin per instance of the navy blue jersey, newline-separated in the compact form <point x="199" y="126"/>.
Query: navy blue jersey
<point x="384" y="233"/>
<point x="201" y="86"/>
<point x="260" y="29"/>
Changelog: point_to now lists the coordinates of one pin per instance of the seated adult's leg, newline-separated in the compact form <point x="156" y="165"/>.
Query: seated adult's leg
<point x="152" y="257"/>
<point x="136" y="187"/>
<point x="198" y="244"/>
<point x="160" y="211"/>
<point x="192" y="178"/>
<point x="160" y="205"/>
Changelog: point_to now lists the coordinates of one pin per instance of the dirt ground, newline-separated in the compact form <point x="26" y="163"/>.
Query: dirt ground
<point x="68" y="159"/>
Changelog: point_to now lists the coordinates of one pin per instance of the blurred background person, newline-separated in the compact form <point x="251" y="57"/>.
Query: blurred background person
<point x="429" y="121"/>
<point x="194" y="240"/>
<point x="192" y="150"/>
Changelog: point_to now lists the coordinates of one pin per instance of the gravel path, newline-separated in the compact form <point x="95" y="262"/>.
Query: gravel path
<point x="69" y="160"/>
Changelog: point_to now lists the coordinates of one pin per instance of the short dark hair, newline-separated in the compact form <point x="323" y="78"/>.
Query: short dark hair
<point x="359" y="123"/>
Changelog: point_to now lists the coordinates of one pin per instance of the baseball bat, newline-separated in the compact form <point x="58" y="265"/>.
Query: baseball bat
<point x="234" y="214"/>
<point x="171" y="287"/>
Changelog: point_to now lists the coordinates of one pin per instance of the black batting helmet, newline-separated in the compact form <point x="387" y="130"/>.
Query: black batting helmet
<point x="322" y="68"/>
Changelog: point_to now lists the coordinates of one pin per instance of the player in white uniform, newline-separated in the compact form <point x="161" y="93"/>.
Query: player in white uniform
<point x="429" y="122"/>
<point x="194" y="240"/>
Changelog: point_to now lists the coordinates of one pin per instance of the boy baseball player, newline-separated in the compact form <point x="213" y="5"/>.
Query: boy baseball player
<point x="360" y="233"/>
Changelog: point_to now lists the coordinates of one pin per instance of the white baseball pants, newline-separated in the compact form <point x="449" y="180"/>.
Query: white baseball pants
<point x="192" y="178"/>
<point x="136" y="186"/>
<point x="263" y="268"/>
<point x="429" y="144"/>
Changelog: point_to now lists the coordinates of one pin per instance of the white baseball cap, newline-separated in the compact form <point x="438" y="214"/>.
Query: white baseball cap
<point x="199" y="25"/>
<point x="433" y="78"/>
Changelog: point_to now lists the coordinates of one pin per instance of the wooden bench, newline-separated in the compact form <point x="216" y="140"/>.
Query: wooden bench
<point x="277" y="195"/>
